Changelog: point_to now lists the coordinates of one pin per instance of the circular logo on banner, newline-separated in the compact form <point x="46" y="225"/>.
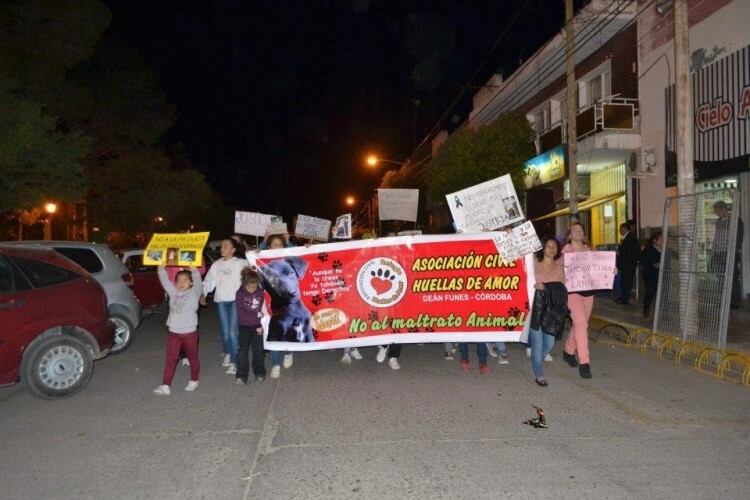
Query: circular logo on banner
<point x="381" y="282"/>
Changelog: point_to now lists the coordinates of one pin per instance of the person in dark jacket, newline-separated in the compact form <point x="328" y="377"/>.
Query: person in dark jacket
<point x="627" y="262"/>
<point x="550" y="306"/>
<point x="650" y="260"/>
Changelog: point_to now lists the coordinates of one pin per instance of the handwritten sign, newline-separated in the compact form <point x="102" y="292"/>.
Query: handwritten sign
<point x="175" y="249"/>
<point x="342" y="230"/>
<point x="518" y="242"/>
<point x="312" y="228"/>
<point x="398" y="204"/>
<point x="589" y="270"/>
<point x="486" y="206"/>
<point x="252" y="223"/>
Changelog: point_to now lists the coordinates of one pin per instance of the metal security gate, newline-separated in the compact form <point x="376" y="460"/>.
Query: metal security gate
<point x="697" y="267"/>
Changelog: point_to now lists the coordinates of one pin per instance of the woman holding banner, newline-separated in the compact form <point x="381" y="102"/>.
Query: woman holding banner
<point x="275" y="242"/>
<point x="580" y="304"/>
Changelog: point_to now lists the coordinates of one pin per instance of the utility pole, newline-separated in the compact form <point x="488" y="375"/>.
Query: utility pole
<point x="571" y="109"/>
<point x="683" y="114"/>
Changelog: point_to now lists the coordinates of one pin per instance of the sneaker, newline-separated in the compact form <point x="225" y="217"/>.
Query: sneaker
<point x="355" y="354"/>
<point x="238" y="381"/>
<point x="503" y="359"/>
<point x="448" y="355"/>
<point x="260" y="378"/>
<point x="584" y="369"/>
<point x="465" y="365"/>
<point x="483" y="369"/>
<point x="570" y="359"/>
<point x="275" y="371"/>
<point x="162" y="390"/>
<point x="393" y="363"/>
<point x="185" y="362"/>
<point x="492" y="350"/>
<point x="346" y="359"/>
<point x="288" y="360"/>
<point x="232" y="369"/>
<point x="227" y="360"/>
<point x="381" y="354"/>
<point x="548" y="358"/>
<point x="192" y="385"/>
<point x="528" y="352"/>
<point x="452" y="350"/>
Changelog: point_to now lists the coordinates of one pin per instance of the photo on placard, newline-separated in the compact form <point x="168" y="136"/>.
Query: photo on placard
<point x="510" y="204"/>
<point x="172" y="256"/>
<point x="187" y="256"/>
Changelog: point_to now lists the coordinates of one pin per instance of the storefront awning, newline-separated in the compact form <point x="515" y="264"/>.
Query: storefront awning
<point x="584" y="205"/>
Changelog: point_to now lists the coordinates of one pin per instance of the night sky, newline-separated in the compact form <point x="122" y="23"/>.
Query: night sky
<point x="279" y="101"/>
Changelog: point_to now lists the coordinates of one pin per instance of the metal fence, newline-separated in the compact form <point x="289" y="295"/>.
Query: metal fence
<point x="697" y="269"/>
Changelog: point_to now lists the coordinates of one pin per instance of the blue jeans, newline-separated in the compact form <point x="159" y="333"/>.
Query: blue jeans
<point x="481" y="352"/>
<point x="541" y="345"/>
<point x="276" y="357"/>
<point x="501" y="348"/>
<point x="228" y="328"/>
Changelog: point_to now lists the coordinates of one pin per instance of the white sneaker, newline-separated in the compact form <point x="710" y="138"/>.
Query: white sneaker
<point x="381" y="354"/>
<point x="275" y="371"/>
<point x="232" y="369"/>
<point x="346" y="359"/>
<point x="393" y="363"/>
<point x="185" y="362"/>
<point x="528" y="352"/>
<point x="355" y="353"/>
<point x="492" y="350"/>
<point x="162" y="390"/>
<point x="548" y="358"/>
<point x="192" y="385"/>
<point x="503" y="359"/>
<point x="288" y="360"/>
<point x="227" y="360"/>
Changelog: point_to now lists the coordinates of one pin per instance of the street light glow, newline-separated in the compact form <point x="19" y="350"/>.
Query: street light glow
<point x="350" y="200"/>
<point x="50" y="208"/>
<point x="372" y="160"/>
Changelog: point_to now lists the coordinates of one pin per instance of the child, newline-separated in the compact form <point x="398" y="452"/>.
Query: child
<point x="182" y="324"/>
<point x="249" y="302"/>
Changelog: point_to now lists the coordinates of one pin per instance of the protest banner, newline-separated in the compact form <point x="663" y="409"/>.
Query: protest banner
<point x="448" y="288"/>
<point x="519" y="241"/>
<point x="398" y="204"/>
<point x="312" y="228"/>
<point x="342" y="230"/>
<point x="589" y="270"/>
<point x="486" y="206"/>
<point x="252" y="223"/>
<point x="175" y="249"/>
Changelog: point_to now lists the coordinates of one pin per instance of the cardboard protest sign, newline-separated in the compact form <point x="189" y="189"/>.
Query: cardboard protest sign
<point x="252" y="223"/>
<point x="486" y="206"/>
<point x="589" y="270"/>
<point x="276" y="228"/>
<point x="342" y="230"/>
<point x="398" y="204"/>
<point x="448" y="288"/>
<point x="518" y="242"/>
<point x="175" y="249"/>
<point x="312" y="228"/>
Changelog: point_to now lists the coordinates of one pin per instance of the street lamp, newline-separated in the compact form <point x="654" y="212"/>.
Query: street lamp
<point x="350" y="201"/>
<point x="50" y="208"/>
<point x="373" y="160"/>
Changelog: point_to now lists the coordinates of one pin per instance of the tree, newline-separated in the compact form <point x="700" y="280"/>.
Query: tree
<point x="470" y="157"/>
<point x="37" y="162"/>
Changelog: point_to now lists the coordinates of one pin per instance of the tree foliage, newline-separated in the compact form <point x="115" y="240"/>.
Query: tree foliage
<point x="470" y="157"/>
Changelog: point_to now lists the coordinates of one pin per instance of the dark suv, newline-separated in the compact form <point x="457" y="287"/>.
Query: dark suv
<point x="53" y="321"/>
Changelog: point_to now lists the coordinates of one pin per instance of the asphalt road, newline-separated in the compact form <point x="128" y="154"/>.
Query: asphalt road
<point x="642" y="428"/>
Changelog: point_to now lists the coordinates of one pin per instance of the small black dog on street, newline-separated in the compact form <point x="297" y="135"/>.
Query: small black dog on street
<point x="290" y="319"/>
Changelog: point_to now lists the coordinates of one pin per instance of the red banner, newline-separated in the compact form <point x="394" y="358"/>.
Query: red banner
<point x="451" y="288"/>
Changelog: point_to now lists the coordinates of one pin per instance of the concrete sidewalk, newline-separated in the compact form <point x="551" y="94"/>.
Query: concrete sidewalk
<point x="738" y="331"/>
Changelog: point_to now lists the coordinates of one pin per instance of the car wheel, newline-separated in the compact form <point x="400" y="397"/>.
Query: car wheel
<point x="57" y="366"/>
<point x="123" y="333"/>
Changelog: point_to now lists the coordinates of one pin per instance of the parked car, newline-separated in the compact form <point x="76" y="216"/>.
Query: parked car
<point x="102" y="263"/>
<point x="53" y="322"/>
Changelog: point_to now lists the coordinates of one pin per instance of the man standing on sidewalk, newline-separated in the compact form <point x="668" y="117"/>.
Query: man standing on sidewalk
<point x="627" y="262"/>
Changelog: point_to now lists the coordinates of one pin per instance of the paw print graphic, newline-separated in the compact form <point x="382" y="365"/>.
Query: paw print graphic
<point x="372" y="315"/>
<point x="316" y="300"/>
<point x="429" y="329"/>
<point x="413" y="330"/>
<point x="330" y="297"/>
<point x="382" y="280"/>
<point x="526" y="305"/>
<point x="337" y="265"/>
<point x="514" y="311"/>
<point x="395" y="330"/>
<point x="322" y="257"/>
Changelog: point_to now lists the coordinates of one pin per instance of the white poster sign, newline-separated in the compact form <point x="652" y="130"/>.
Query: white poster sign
<point x="398" y="204"/>
<point x="251" y="223"/>
<point x="486" y="206"/>
<point x="312" y="228"/>
<point x="518" y="242"/>
<point x="589" y="270"/>
<point x="342" y="230"/>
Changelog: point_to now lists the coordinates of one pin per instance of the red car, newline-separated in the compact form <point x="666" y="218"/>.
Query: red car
<point x="53" y="322"/>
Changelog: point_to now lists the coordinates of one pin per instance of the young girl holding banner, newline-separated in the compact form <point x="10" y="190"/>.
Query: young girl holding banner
<point x="580" y="305"/>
